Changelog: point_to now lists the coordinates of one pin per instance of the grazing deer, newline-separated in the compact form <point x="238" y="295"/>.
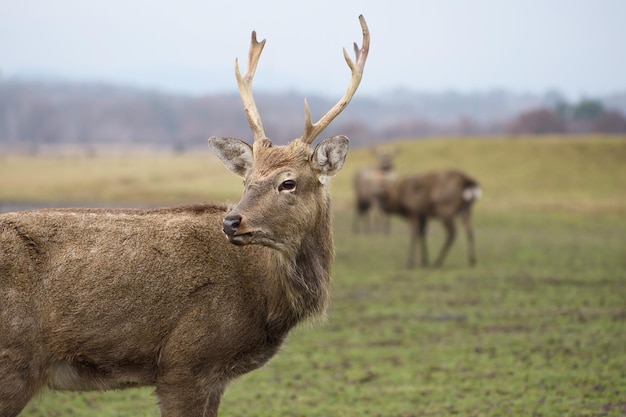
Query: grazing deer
<point x="368" y="185"/>
<point x="182" y="298"/>
<point x="443" y="195"/>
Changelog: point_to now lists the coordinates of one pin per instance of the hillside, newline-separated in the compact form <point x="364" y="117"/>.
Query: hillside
<point x="548" y="173"/>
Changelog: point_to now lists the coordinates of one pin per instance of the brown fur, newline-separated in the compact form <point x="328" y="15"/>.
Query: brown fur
<point x="182" y="298"/>
<point x="101" y="299"/>
<point x="368" y="185"/>
<point x="441" y="195"/>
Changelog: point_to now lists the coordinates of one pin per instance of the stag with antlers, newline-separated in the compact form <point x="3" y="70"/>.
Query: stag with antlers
<point x="96" y="299"/>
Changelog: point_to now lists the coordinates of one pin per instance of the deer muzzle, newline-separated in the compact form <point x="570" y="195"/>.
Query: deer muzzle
<point x="230" y="224"/>
<point x="232" y="228"/>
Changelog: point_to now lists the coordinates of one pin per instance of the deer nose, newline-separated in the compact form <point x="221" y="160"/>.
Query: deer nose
<point x="231" y="223"/>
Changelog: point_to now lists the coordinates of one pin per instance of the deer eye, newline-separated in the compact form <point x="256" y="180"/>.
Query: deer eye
<point x="287" y="185"/>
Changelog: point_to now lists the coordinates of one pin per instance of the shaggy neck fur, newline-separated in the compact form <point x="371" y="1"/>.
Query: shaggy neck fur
<point x="303" y="281"/>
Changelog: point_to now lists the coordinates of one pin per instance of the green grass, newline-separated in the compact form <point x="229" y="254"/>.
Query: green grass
<point x="537" y="328"/>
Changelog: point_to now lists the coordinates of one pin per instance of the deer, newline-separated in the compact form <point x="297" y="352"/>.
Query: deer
<point x="368" y="183"/>
<point x="183" y="298"/>
<point x="443" y="195"/>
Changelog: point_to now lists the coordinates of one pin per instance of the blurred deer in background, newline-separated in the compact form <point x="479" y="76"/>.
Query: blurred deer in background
<point x="443" y="195"/>
<point x="96" y="299"/>
<point x="368" y="186"/>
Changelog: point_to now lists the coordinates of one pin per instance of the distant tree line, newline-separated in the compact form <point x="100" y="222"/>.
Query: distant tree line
<point x="35" y="116"/>
<point x="586" y="116"/>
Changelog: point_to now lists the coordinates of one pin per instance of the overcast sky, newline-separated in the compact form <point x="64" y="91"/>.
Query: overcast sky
<point x="575" y="46"/>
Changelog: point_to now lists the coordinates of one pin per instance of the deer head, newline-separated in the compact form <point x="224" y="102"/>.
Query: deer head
<point x="156" y="297"/>
<point x="285" y="196"/>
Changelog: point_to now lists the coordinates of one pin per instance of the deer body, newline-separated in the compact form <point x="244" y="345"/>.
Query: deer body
<point x="110" y="299"/>
<point x="369" y="183"/>
<point x="443" y="195"/>
<point x="182" y="298"/>
<point x="156" y="296"/>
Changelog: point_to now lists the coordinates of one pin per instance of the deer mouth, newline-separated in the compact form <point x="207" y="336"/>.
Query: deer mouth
<point x="240" y="239"/>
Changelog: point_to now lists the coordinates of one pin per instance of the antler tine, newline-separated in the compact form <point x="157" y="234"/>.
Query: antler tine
<point x="312" y="130"/>
<point x="245" y="87"/>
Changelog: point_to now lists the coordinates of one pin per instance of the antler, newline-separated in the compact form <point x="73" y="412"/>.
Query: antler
<point x="245" y="87"/>
<point x="312" y="130"/>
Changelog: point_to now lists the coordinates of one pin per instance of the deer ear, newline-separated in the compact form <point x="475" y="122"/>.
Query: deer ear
<point x="329" y="156"/>
<point x="234" y="153"/>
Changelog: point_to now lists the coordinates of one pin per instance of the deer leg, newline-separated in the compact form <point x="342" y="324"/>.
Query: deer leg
<point x="364" y="220"/>
<point x="18" y="382"/>
<point x="448" y="224"/>
<point x="355" y="223"/>
<point x="181" y="399"/>
<point x="418" y="234"/>
<point x="361" y="220"/>
<point x="361" y="209"/>
<point x="412" y="242"/>
<point x="380" y="225"/>
<point x="387" y="223"/>
<point x="466" y="220"/>
<point x="423" y="222"/>
<point x="385" y="220"/>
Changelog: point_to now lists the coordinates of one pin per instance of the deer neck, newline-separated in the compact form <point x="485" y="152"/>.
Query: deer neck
<point x="301" y="283"/>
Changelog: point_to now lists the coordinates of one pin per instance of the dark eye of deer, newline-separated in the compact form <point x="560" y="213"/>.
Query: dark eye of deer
<point x="287" y="185"/>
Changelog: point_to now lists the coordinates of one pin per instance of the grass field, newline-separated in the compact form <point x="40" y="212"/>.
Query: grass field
<point x="537" y="328"/>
